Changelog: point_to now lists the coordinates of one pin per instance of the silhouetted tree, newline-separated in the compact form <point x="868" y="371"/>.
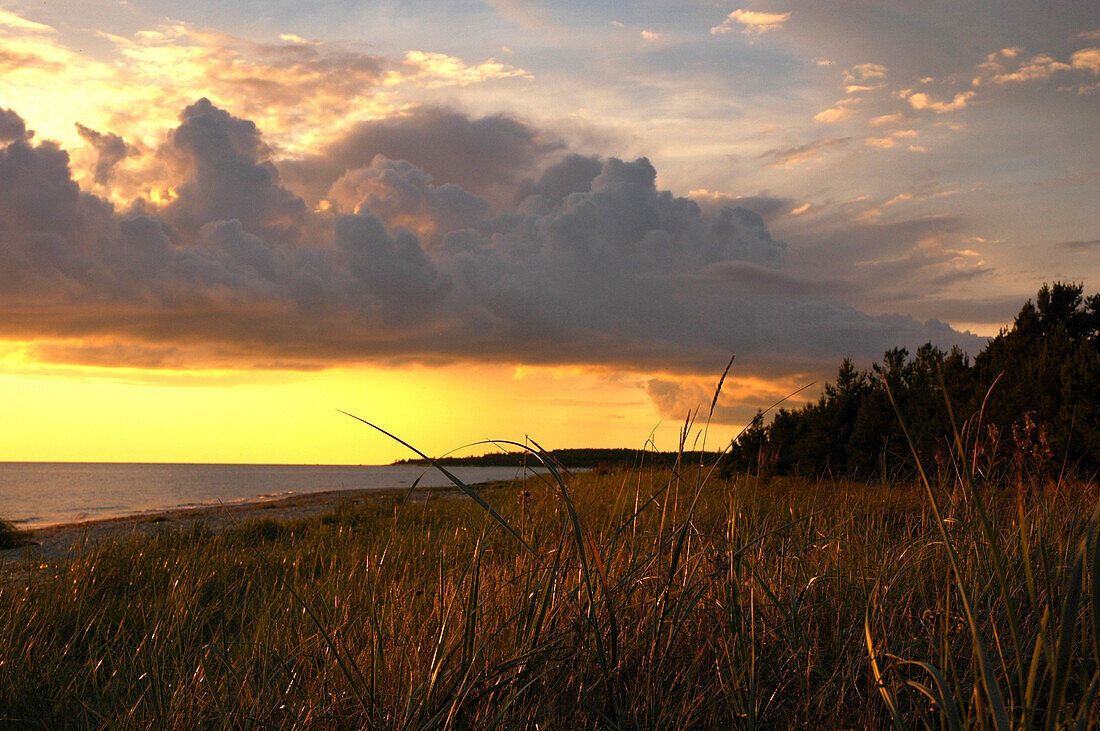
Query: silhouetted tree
<point x="1046" y="401"/>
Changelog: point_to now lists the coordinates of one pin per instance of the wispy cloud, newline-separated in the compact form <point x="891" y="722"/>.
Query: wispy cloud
<point x="1091" y="245"/>
<point x="437" y="70"/>
<point x="787" y="156"/>
<point x="12" y="21"/>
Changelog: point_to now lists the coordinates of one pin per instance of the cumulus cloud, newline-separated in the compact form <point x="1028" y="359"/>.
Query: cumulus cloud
<point x="864" y="72"/>
<point x="593" y="265"/>
<point x="1087" y="59"/>
<point x="227" y="175"/>
<point x="110" y="149"/>
<point x="1007" y="67"/>
<point x="920" y="101"/>
<point x="485" y="155"/>
<point x="750" y="22"/>
<point x="1010" y="66"/>
<point x="12" y="126"/>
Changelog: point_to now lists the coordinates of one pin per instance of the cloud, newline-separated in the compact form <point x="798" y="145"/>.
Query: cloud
<point x="882" y="143"/>
<point x="279" y="83"/>
<point x="12" y="126"/>
<point x="302" y="94"/>
<point x="403" y="196"/>
<point x="1036" y="68"/>
<point x="1087" y="59"/>
<point x="888" y="120"/>
<point x="431" y="70"/>
<point x="228" y="175"/>
<point x="110" y="149"/>
<point x="861" y="73"/>
<point x="485" y="155"/>
<point x="603" y="269"/>
<point x="785" y="157"/>
<point x="1008" y="66"/>
<point x="1082" y="245"/>
<point x="573" y="174"/>
<point x="767" y="207"/>
<point x="921" y="101"/>
<point x="750" y="22"/>
<point x="833" y="115"/>
<point x="738" y="401"/>
<point x="14" y="22"/>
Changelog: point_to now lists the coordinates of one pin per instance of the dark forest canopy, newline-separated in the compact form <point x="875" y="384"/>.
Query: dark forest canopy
<point x="1032" y="396"/>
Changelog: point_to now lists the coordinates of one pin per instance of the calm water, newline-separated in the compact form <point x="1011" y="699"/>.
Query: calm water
<point x="36" y="494"/>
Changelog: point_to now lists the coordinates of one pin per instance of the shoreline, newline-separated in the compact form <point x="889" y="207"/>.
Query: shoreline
<point x="60" y="541"/>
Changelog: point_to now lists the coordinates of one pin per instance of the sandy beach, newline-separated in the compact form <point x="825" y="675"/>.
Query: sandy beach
<point x="58" y="542"/>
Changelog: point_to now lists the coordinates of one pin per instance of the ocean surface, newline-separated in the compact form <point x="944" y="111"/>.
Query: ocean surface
<point x="38" y="494"/>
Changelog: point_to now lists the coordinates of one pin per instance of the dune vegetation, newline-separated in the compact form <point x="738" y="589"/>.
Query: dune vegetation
<point x="640" y="598"/>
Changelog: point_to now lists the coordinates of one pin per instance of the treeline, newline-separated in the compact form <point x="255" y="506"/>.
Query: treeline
<point x="1031" y="397"/>
<point x="583" y="458"/>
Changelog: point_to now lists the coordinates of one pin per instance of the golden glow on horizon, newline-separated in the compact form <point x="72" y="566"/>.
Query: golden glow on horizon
<point x="70" y="413"/>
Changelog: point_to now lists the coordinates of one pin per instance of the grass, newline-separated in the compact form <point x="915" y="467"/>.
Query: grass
<point x="12" y="536"/>
<point x="630" y="599"/>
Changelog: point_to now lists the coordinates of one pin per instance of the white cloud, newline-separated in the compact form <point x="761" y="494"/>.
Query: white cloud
<point x="921" y="101"/>
<point x="864" y="72"/>
<point x="1087" y="59"/>
<point x="833" y="115"/>
<point x="434" y="70"/>
<point x="17" y="23"/>
<point x="888" y="120"/>
<point x="751" y="22"/>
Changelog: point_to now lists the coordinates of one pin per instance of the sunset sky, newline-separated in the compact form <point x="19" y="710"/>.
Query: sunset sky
<point x="222" y="221"/>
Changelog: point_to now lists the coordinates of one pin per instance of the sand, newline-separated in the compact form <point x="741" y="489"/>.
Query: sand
<point x="59" y="542"/>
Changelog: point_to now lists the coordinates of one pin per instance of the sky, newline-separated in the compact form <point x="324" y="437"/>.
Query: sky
<point x="221" y="223"/>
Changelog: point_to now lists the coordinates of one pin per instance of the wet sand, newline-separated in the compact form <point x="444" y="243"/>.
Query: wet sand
<point x="58" y="542"/>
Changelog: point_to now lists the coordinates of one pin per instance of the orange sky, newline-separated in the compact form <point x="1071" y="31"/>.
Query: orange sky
<point x="222" y="223"/>
<point x="118" y="415"/>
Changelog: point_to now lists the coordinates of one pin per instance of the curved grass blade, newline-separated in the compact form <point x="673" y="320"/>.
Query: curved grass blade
<point x="457" y="482"/>
<point x="985" y="663"/>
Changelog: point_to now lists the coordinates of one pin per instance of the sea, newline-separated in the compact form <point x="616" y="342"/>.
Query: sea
<point x="41" y="494"/>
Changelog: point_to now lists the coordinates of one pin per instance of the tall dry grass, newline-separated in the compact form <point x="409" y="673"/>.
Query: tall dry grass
<point x="634" y="599"/>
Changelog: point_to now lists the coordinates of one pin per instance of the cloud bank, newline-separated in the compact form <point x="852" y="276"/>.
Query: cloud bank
<point x="403" y="257"/>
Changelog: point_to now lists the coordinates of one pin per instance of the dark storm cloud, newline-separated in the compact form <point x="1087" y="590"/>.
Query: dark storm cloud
<point x="12" y="126"/>
<point x="485" y="155"/>
<point x="110" y="149"/>
<point x="600" y="268"/>
<point x="229" y="175"/>
<point x="574" y="174"/>
<point x="767" y="207"/>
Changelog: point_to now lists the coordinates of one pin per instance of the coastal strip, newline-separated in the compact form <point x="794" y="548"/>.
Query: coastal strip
<point x="57" y="542"/>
